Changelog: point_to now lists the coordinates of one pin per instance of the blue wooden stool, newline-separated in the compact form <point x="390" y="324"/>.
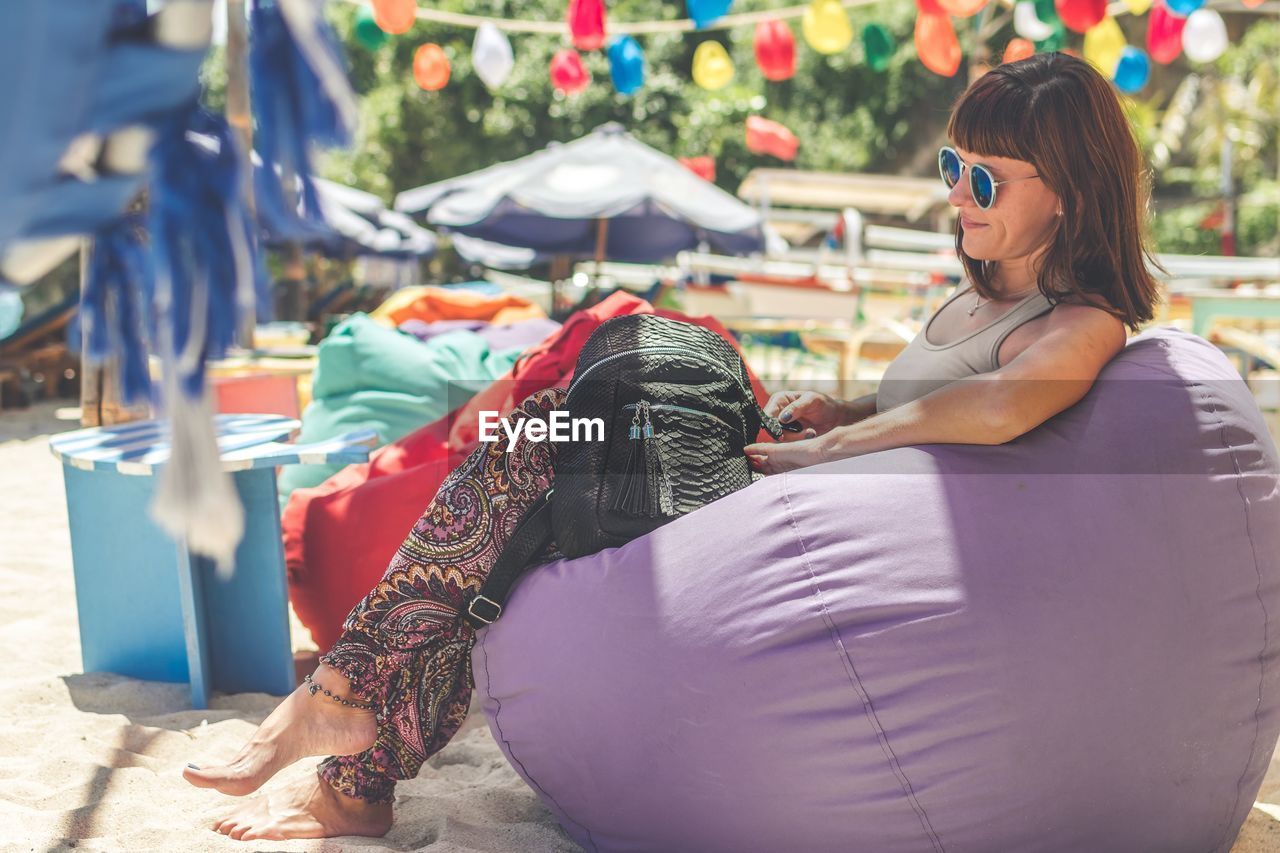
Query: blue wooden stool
<point x="147" y="607"/>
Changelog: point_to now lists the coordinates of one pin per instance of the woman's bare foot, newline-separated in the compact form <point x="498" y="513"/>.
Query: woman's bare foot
<point x="300" y="726"/>
<point x="308" y="808"/>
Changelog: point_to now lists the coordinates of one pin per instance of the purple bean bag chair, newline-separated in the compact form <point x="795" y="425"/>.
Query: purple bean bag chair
<point x="1064" y="643"/>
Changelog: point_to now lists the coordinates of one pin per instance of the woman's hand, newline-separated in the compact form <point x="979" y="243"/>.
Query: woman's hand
<point x="778" y="456"/>
<point x="820" y="413"/>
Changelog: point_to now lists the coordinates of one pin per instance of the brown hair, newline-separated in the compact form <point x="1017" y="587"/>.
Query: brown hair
<point x="1062" y="116"/>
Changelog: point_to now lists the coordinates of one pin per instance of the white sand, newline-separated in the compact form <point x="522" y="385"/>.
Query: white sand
<point x="93" y="762"/>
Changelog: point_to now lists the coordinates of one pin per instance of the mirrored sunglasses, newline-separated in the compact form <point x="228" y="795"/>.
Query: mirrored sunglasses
<point x="982" y="184"/>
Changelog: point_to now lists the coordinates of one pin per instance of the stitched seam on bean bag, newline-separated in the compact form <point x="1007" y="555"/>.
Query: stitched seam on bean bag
<point x="856" y="681"/>
<point x="488" y="681"/>
<point x="1266" y="617"/>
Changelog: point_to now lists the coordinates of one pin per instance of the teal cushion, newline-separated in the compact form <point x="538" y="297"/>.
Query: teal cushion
<point x="370" y="376"/>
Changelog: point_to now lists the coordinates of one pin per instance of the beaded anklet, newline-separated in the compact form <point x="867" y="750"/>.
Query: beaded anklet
<point x="312" y="687"/>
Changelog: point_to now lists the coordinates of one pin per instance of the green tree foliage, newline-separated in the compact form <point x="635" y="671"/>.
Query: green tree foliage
<point x="848" y="117"/>
<point x="1237" y="99"/>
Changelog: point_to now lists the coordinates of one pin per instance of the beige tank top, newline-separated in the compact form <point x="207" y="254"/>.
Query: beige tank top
<point x="923" y="366"/>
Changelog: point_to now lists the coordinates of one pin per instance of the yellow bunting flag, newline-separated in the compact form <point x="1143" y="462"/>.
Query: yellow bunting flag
<point x="826" y="26"/>
<point x="712" y="67"/>
<point x="1103" y="44"/>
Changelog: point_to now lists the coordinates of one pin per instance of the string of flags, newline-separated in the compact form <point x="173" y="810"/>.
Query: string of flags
<point x="1174" y="28"/>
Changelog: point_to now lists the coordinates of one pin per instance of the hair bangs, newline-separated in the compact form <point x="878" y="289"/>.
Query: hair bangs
<point x="990" y="119"/>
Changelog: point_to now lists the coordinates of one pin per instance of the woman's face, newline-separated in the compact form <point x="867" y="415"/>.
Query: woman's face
<point x="1018" y="224"/>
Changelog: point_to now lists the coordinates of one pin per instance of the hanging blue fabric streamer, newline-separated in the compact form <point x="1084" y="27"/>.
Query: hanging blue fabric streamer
<point x="114" y="308"/>
<point x="203" y="243"/>
<point x="206" y="280"/>
<point x="301" y="97"/>
<point x="84" y="80"/>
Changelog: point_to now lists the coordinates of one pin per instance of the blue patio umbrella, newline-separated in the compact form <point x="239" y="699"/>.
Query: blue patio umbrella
<point x="494" y="255"/>
<point x="606" y="195"/>
<point x="362" y="225"/>
<point x="346" y="222"/>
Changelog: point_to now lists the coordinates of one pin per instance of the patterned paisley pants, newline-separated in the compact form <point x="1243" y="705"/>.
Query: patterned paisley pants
<point x="406" y="647"/>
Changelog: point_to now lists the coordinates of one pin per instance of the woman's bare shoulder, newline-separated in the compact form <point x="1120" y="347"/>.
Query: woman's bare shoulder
<point x="1091" y="318"/>
<point x="1081" y="299"/>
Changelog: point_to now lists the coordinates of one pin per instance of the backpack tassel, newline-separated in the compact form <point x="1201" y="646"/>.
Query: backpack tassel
<point x="632" y="496"/>
<point x="645" y="491"/>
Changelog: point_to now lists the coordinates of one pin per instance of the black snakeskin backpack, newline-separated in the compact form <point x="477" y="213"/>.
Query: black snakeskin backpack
<point x="663" y="411"/>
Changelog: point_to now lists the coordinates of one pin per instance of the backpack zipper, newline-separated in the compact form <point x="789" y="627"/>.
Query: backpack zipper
<point x="673" y="407"/>
<point x="750" y="394"/>
<point x="674" y="350"/>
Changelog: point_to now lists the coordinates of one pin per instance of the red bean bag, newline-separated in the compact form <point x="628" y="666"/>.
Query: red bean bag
<point x="340" y="536"/>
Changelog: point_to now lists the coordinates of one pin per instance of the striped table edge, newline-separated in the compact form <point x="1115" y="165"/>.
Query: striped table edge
<point x="246" y="442"/>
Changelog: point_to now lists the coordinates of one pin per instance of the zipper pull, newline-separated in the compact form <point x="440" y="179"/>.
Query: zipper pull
<point x="635" y="425"/>
<point x="648" y="419"/>
<point x="771" y="424"/>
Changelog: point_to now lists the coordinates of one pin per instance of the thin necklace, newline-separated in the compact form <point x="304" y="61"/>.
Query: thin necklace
<point x="978" y="304"/>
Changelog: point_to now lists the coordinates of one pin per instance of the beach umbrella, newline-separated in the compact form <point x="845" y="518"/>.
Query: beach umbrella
<point x="606" y="195"/>
<point x="363" y="225"/>
<point x="495" y="255"/>
<point x="346" y="222"/>
<point x="356" y="223"/>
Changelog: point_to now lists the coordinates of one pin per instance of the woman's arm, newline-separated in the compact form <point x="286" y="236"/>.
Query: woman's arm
<point x="1049" y="376"/>
<point x="857" y="409"/>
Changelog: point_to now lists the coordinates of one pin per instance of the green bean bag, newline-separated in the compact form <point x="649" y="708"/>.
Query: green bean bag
<point x="371" y="376"/>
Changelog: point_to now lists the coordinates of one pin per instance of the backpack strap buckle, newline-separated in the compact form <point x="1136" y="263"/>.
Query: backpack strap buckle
<point x="491" y="610"/>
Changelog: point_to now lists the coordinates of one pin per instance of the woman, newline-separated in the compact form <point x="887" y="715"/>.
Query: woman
<point x="1046" y="175"/>
<point x="1053" y="250"/>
